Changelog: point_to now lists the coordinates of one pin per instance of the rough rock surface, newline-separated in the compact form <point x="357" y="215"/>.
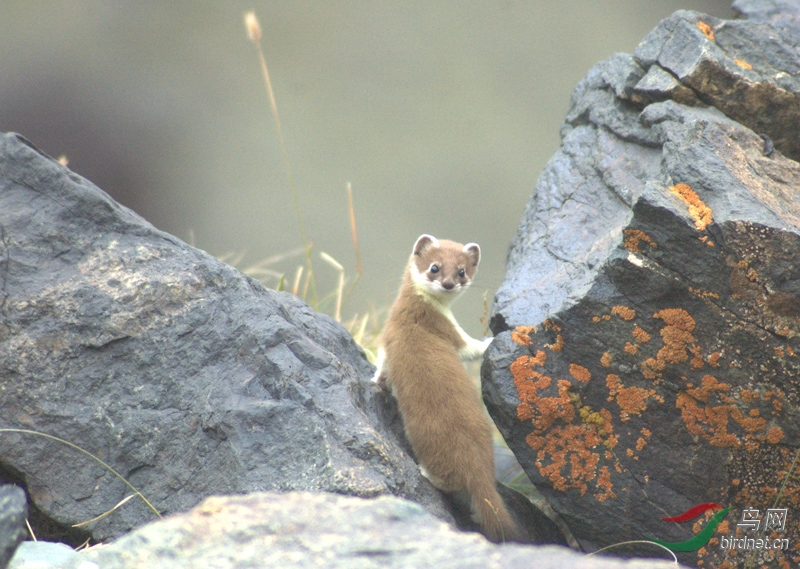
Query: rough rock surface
<point x="647" y="347"/>
<point x="184" y="375"/>
<point x="324" y="530"/>
<point x="47" y="555"/>
<point x="13" y="512"/>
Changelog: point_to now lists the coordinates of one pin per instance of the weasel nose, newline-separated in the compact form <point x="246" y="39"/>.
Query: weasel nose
<point x="448" y="285"/>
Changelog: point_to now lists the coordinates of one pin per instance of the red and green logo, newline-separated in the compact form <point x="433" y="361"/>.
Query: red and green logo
<point x="703" y="536"/>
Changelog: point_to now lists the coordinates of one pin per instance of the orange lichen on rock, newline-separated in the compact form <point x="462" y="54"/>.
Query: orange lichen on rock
<point x="631" y="348"/>
<point x="565" y="432"/>
<point x="544" y="411"/>
<point x="604" y="484"/>
<point x="640" y="444"/>
<point x="624" y="312"/>
<point x="713" y="359"/>
<point x="579" y="372"/>
<point x="550" y="325"/>
<point x="751" y="424"/>
<point x="697" y="359"/>
<point x="707" y="422"/>
<point x="775" y="435"/>
<point x="640" y="335"/>
<point x="742" y="63"/>
<point x="556" y="346"/>
<point x="567" y="445"/>
<point x="698" y="211"/>
<point x="709" y="386"/>
<point x="539" y="359"/>
<point x="652" y="368"/>
<point x="706" y="29"/>
<point x="703" y="293"/>
<point x="521" y="334"/>
<point x="632" y="239"/>
<point x="606" y="359"/>
<point x="677" y="335"/>
<point x="711" y="421"/>
<point x="749" y="395"/>
<point x="631" y="400"/>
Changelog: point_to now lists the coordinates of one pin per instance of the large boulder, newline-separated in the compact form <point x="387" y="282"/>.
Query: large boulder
<point x="323" y="530"/>
<point x="182" y="374"/>
<point x="647" y="348"/>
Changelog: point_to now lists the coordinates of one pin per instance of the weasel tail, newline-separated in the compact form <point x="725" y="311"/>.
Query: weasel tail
<point x="420" y="361"/>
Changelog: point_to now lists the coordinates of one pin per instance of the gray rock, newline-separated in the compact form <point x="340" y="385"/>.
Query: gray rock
<point x="748" y="70"/>
<point x="648" y="329"/>
<point x="776" y="12"/>
<point x="46" y="555"/>
<point x="181" y="373"/>
<point x="13" y="511"/>
<point x="658" y="84"/>
<point x="323" y="530"/>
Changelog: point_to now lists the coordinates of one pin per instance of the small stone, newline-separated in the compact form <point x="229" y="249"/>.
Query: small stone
<point x="13" y="512"/>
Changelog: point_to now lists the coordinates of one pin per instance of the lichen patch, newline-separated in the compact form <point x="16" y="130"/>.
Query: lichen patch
<point x="633" y="238"/>
<point x="640" y="335"/>
<point x="631" y="400"/>
<point x="579" y="372"/>
<point x="705" y="29"/>
<point x="521" y="334"/>
<point x="624" y="312"/>
<point x="566" y="433"/>
<point x="698" y="211"/>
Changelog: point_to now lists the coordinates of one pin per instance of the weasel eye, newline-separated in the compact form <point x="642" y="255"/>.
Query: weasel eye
<point x="462" y="273"/>
<point x="434" y="268"/>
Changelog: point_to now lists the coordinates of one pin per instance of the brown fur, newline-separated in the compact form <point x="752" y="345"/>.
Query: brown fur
<point x="441" y="409"/>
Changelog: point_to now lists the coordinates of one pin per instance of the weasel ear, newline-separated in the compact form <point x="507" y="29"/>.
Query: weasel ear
<point x="474" y="251"/>
<point x="424" y="242"/>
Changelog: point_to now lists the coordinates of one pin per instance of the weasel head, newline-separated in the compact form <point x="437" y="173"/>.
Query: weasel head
<point x="442" y="269"/>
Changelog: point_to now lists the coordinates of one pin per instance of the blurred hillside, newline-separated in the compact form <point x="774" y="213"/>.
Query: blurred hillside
<point x="441" y="115"/>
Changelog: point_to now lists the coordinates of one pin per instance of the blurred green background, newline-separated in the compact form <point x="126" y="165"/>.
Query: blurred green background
<point x="441" y="115"/>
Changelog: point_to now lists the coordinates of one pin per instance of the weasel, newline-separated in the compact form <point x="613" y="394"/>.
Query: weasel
<point x="419" y="361"/>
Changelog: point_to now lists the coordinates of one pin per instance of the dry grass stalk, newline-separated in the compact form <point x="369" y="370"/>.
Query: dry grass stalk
<point x="104" y="514"/>
<point x="254" y="31"/>
<point x="30" y="530"/>
<point x="353" y="226"/>
<point x="337" y="313"/>
<point x="90" y="455"/>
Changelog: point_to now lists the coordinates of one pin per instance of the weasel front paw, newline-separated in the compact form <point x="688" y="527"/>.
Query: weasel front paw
<point x="381" y="380"/>
<point x="380" y="373"/>
<point x="474" y="349"/>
